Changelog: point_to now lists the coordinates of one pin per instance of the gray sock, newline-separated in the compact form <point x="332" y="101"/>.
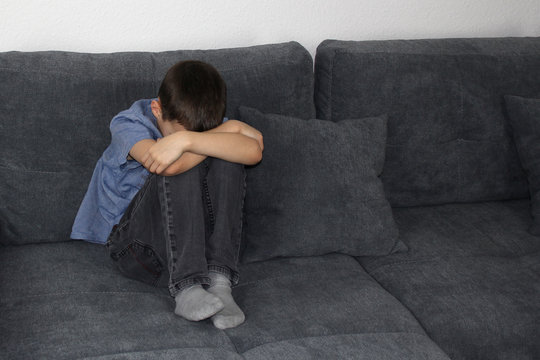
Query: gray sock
<point x="231" y="315"/>
<point x="195" y="303"/>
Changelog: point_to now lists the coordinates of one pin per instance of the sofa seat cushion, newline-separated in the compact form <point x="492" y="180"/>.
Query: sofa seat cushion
<point x="494" y="228"/>
<point x="473" y="307"/>
<point x="172" y="354"/>
<point x="471" y="277"/>
<point x="66" y="300"/>
<point x="292" y="298"/>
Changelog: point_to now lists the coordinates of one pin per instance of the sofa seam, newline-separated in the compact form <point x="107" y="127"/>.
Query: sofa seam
<point x="233" y="344"/>
<point x="411" y="313"/>
<point x="309" y="275"/>
<point x="6" y="300"/>
<point x="331" y="87"/>
<point x="461" y="130"/>
<point x="430" y="259"/>
<point x="514" y="243"/>
<point x="151" y="350"/>
<point x="347" y="333"/>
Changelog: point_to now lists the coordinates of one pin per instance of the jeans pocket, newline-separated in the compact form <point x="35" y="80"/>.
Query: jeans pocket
<point x="117" y="239"/>
<point x="135" y="259"/>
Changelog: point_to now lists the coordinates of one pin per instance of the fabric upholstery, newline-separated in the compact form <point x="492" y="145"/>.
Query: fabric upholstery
<point x="468" y="284"/>
<point x="387" y="346"/>
<point x="172" y="354"/>
<point x="54" y="123"/>
<point x="66" y="300"/>
<point x="54" y="127"/>
<point x="524" y="116"/>
<point x="276" y="78"/>
<point x="448" y="139"/>
<point x="471" y="277"/>
<point x="473" y="307"/>
<point x="317" y="190"/>
<point x="313" y="296"/>
<point x="496" y="228"/>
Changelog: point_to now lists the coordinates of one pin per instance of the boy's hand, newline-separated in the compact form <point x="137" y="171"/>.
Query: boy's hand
<point x="164" y="152"/>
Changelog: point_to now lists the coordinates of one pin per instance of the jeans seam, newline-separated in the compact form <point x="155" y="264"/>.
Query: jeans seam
<point x="169" y="234"/>
<point x="140" y="197"/>
<point x="176" y="287"/>
<point x="232" y="275"/>
<point x="208" y="201"/>
<point x="110" y="243"/>
<point x="130" y="250"/>
<point x="155" y="261"/>
<point x="243" y="191"/>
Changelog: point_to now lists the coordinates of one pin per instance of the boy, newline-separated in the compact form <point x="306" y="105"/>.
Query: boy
<point x="166" y="196"/>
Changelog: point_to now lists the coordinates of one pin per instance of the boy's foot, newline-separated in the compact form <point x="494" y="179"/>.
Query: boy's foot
<point x="231" y="315"/>
<point x="195" y="303"/>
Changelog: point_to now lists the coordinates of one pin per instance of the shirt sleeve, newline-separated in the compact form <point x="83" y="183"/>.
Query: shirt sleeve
<point x="126" y="132"/>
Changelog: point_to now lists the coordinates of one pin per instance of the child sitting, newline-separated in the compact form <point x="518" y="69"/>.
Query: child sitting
<point x="166" y="196"/>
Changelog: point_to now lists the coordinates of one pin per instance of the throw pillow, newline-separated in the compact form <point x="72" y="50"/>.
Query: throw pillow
<point x="317" y="189"/>
<point x="524" y="115"/>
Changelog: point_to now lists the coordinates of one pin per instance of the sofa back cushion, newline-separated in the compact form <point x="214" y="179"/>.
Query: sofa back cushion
<point x="448" y="138"/>
<point x="57" y="106"/>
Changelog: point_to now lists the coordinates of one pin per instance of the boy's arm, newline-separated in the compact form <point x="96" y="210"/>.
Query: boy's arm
<point x="233" y="141"/>
<point x="233" y="147"/>
<point x="184" y="163"/>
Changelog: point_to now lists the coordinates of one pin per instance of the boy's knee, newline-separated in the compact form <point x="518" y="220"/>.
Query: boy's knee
<point x="227" y="169"/>
<point x="186" y="179"/>
<point x="226" y="165"/>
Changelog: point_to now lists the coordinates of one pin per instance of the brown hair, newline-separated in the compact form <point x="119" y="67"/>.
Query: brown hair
<point x="194" y="94"/>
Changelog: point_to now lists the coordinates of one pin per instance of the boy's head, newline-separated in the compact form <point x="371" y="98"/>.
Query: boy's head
<point x="193" y="94"/>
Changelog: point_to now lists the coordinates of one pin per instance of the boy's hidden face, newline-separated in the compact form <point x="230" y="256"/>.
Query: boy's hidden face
<point x="166" y="127"/>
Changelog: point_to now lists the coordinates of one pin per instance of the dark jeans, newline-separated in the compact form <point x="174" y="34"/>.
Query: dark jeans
<point x="178" y="228"/>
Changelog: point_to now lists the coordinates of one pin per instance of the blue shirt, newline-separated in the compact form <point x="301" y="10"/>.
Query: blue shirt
<point x="116" y="179"/>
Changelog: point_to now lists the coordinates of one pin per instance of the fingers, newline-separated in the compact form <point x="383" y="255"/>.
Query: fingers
<point x="149" y="162"/>
<point x="160" y="169"/>
<point x="145" y="157"/>
<point x="154" y="165"/>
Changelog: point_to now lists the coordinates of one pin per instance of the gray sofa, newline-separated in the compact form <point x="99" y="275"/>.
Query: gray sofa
<point x="441" y="265"/>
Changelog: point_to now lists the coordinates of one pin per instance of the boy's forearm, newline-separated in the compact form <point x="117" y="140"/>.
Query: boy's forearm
<point x="189" y="160"/>
<point x="233" y="147"/>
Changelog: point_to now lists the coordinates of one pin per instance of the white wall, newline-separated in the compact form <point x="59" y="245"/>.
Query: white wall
<point x="123" y="25"/>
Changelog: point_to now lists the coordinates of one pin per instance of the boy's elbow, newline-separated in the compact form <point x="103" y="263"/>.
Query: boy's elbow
<point x="259" y="148"/>
<point x="256" y="156"/>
